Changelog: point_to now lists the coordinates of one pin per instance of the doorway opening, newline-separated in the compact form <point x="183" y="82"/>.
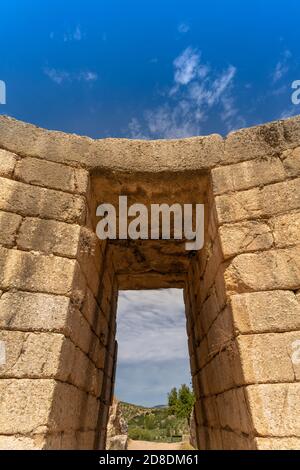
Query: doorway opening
<point x="153" y="381"/>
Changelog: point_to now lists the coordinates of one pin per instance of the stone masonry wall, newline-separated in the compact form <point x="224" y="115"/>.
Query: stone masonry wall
<point x="57" y="308"/>
<point x="59" y="285"/>
<point x="243" y="295"/>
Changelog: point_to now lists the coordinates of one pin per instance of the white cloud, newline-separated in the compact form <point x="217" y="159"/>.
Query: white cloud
<point x="196" y="92"/>
<point x="74" y="35"/>
<point x="282" y="66"/>
<point x="57" y="76"/>
<point x="68" y="36"/>
<point x="183" y="28"/>
<point x="61" y="76"/>
<point x="87" y="76"/>
<point x="289" y="112"/>
<point x="186" y="66"/>
<point x="151" y="326"/>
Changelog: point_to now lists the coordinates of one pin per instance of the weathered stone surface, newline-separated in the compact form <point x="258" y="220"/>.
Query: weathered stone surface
<point x="277" y="443"/>
<point x="9" y="225"/>
<point x="291" y="161"/>
<point x="252" y="235"/>
<point x="81" y="412"/>
<point x="49" y="236"/>
<point x="261" y="312"/>
<point x="286" y="229"/>
<point x="117" y="429"/>
<point x="27" y="271"/>
<point x="256" y="203"/>
<point x="58" y="283"/>
<point x="274" y="269"/>
<point x="111" y="154"/>
<point x="30" y="407"/>
<point x="22" y="442"/>
<point x="275" y="409"/>
<point x="268" y="357"/>
<point x="31" y="354"/>
<point x="47" y="174"/>
<point x="247" y="174"/>
<point x="7" y="163"/>
<point x="256" y="142"/>
<point x="52" y="175"/>
<point x="34" y="201"/>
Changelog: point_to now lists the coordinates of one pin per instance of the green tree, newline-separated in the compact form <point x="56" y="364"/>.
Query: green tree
<point x="173" y="400"/>
<point x="149" y="421"/>
<point x="185" y="401"/>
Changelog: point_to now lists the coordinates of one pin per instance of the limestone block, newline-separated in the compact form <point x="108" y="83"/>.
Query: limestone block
<point x="259" y="202"/>
<point x="245" y="237"/>
<point x="277" y="443"/>
<point x="227" y="410"/>
<point x="32" y="272"/>
<point x="291" y="161"/>
<point x="22" y="442"/>
<point x="269" y="357"/>
<point x="35" y="201"/>
<point x="286" y="229"/>
<point x="255" y="142"/>
<point x="32" y="354"/>
<point x="274" y="269"/>
<point x="234" y="441"/>
<point x="259" y="312"/>
<point x="81" y="412"/>
<point x="34" y="312"/>
<point x="25" y="405"/>
<point x="275" y="409"/>
<point x="47" y="174"/>
<point x="49" y="236"/>
<point x="247" y="174"/>
<point x="9" y="224"/>
<point x="7" y="163"/>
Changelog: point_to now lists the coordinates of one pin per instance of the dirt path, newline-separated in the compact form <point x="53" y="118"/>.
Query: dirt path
<point x="146" y="445"/>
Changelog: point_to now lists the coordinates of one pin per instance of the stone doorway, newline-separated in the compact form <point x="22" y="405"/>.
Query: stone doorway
<point x="59" y="284"/>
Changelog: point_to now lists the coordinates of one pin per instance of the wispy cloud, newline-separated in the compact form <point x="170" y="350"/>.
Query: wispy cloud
<point x="282" y="66"/>
<point x="289" y="112"/>
<point x="197" y="90"/>
<point x="61" y="76"/>
<point x="183" y="28"/>
<point x="151" y="326"/>
<point x="75" y="34"/>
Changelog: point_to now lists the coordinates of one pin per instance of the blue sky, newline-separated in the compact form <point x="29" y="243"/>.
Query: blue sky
<point x="153" y="350"/>
<point x="149" y="69"/>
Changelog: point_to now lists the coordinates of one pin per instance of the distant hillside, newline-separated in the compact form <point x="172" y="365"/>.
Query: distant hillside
<point x="129" y="410"/>
<point x="153" y="424"/>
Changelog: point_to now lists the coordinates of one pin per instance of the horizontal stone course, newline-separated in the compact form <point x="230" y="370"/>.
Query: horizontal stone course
<point x="49" y="236"/>
<point x="36" y="312"/>
<point x="291" y="161"/>
<point x="8" y="162"/>
<point x="267" y="270"/>
<point x="34" y="201"/>
<point x="31" y="272"/>
<point x="51" y="175"/>
<point x="256" y="235"/>
<point x="48" y="355"/>
<point x="258" y="203"/>
<point x="259" y="312"/>
<point x="248" y="174"/>
<point x="9" y="225"/>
